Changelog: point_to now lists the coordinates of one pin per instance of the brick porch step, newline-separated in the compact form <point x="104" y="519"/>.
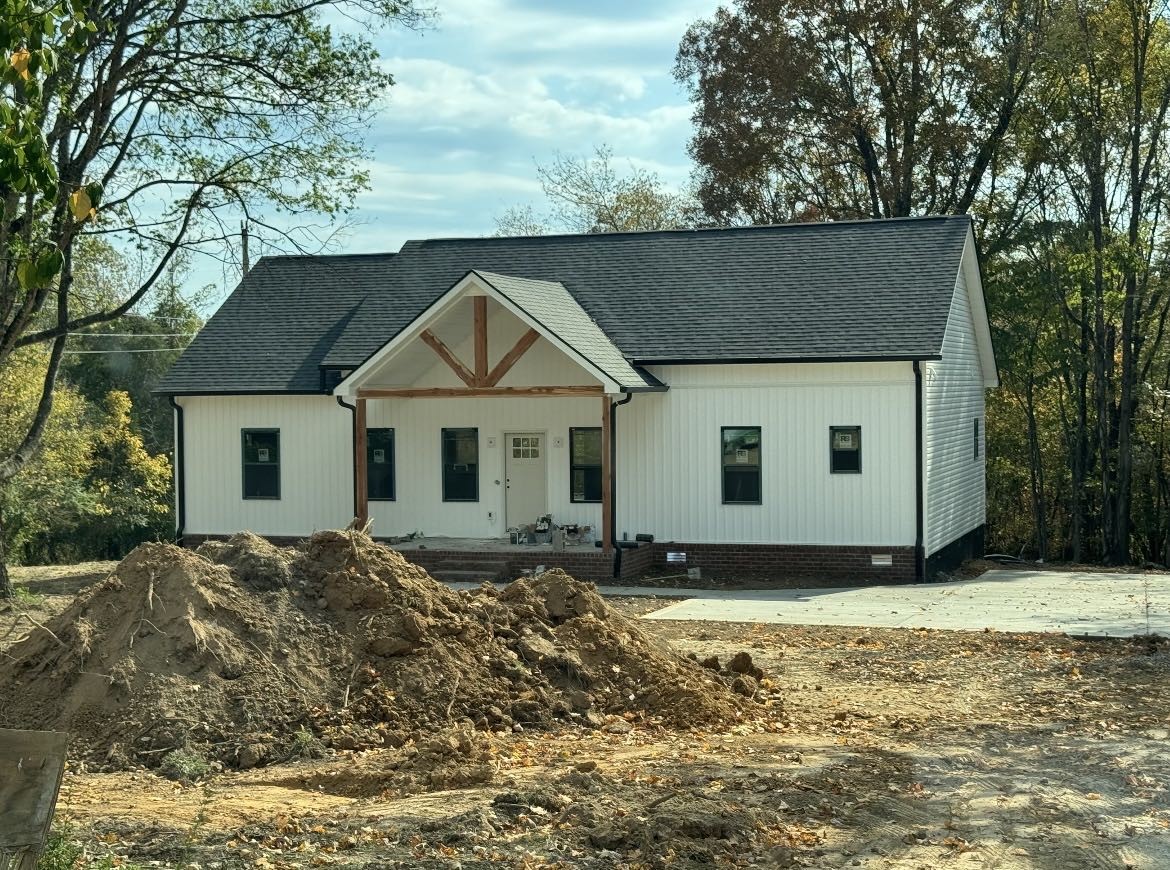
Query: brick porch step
<point x="448" y="575"/>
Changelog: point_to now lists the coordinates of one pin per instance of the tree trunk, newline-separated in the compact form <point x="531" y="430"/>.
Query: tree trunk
<point x="1039" y="508"/>
<point x="1081" y="468"/>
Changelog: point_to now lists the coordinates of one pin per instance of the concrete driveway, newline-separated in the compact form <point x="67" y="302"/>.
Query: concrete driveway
<point x="1095" y="604"/>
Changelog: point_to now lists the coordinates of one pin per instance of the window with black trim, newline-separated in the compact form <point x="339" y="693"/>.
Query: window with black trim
<point x="380" y="464"/>
<point x="977" y="438"/>
<point x="741" y="464"/>
<point x="460" y="465"/>
<point x="845" y="449"/>
<point x="585" y="465"/>
<point x="261" y="459"/>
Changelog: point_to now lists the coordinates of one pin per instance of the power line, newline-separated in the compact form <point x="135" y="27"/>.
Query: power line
<point x="135" y="350"/>
<point x="132" y="334"/>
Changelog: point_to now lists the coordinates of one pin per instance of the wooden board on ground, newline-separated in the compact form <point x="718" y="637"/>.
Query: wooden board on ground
<point x="31" y="764"/>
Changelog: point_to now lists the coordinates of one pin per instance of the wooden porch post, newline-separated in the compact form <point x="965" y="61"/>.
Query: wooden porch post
<point x="479" y="307"/>
<point x="361" y="478"/>
<point x="607" y="532"/>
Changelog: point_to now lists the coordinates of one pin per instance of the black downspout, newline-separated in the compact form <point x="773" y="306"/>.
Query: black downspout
<point x="919" y="482"/>
<point x="180" y="475"/>
<point x="352" y="441"/>
<point x="617" y="560"/>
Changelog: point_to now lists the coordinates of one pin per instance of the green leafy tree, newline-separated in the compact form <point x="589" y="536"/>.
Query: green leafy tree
<point x="131" y="487"/>
<point x="31" y="256"/>
<point x="132" y="354"/>
<point x="1089" y="255"/>
<point x="50" y="493"/>
<point x="813" y="111"/>
<point x="161" y="125"/>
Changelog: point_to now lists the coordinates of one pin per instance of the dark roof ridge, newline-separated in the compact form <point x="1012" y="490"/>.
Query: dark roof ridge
<point x="681" y="231"/>
<point x="317" y="258"/>
<point x="685" y="231"/>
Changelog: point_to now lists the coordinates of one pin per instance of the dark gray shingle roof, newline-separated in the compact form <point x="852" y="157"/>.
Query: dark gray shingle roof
<point x="272" y="333"/>
<point x="864" y="289"/>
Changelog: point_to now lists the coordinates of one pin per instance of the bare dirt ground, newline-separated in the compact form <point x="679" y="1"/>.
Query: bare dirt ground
<point x="892" y="749"/>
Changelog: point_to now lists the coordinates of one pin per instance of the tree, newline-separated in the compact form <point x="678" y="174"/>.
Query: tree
<point x="1110" y="74"/>
<point x="132" y="353"/>
<point x="588" y="195"/>
<point x="160" y="124"/>
<point x="131" y="486"/>
<point x="51" y="490"/>
<point x="92" y="490"/>
<point x="808" y="111"/>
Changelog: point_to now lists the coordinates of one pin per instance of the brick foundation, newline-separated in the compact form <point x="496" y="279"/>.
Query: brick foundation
<point x="791" y="565"/>
<point x="969" y="546"/>
<point x="778" y="565"/>
<point x="638" y="561"/>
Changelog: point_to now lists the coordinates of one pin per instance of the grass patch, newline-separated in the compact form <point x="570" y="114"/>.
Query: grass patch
<point x="305" y="745"/>
<point x="61" y="852"/>
<point x="25" y="597"/>
<point x="184" y="765"/>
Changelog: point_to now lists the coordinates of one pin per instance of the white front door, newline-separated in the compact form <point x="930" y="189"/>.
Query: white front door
<point x="525" y="478"/>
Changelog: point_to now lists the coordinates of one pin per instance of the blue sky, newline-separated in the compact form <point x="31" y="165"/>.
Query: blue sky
<point x="498" y="85"/>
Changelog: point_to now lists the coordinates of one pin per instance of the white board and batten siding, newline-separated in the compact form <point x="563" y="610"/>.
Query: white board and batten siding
<point x="316" y="464"/>
<point x="418" y="425"/>
<point x="953" y="399"/>
<point x="669" y="467"/>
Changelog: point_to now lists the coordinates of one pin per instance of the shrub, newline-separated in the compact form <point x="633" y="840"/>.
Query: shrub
<point x="184" y="765"/>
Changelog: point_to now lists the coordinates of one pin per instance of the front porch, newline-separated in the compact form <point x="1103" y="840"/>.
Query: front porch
<point x="464" y="453"/>
<point x="497" y="559"/>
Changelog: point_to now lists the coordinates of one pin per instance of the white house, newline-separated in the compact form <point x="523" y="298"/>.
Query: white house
<point x="802" y="401"/>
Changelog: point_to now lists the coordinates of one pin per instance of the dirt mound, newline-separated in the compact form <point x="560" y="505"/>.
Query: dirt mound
<point x="167" y="651"/>
<point x="253" y="560"/>
<point x="249" y="652"/>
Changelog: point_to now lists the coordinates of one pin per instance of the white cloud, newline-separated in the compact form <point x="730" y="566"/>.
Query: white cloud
<point x="434" y="94"/>
<point x="556" y="27"/>
<point x="390" y="182"/>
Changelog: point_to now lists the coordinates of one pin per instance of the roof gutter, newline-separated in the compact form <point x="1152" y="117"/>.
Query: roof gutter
<point x="168" y="392"/>
<point x="647" y="388"/>
<point x="353" y="441"/>
<point x="750" y="360"/>
<point x="617" y="560"/>
<point x="919" y="482"/>
<point x="180" y="475"/>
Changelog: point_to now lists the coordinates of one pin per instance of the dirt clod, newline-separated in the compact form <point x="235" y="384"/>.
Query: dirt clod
<point x="741" y="663"/>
